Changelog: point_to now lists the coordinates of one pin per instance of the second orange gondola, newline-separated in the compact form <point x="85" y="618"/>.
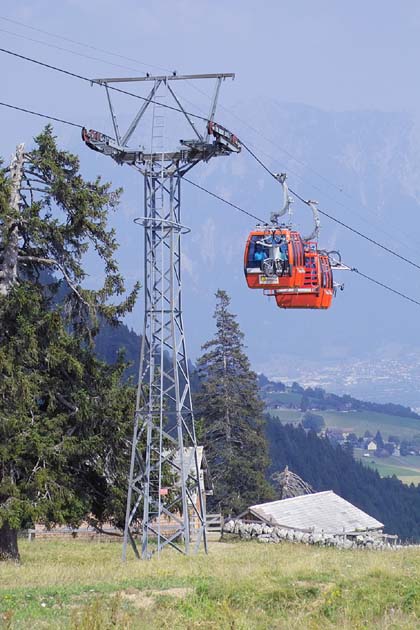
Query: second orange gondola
<point x="317" y="290"/>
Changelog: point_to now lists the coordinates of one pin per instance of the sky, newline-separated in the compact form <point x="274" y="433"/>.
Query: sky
<point x="330" y="55"/>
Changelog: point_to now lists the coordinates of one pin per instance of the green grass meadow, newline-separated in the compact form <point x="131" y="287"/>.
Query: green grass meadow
<point x="405" y="468"/>
<point x="244" y="585"/>
<point x="357" y="421"/>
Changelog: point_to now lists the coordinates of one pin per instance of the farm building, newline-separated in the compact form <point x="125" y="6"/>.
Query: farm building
<point x="318" y="512"/>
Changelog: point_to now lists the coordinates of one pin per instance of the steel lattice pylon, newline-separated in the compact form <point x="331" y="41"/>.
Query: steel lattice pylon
<point x="164" y="492"/>
<point x="164" y="413"/>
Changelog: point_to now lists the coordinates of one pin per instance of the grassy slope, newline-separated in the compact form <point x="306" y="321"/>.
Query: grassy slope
<point x="358" y="422"/>
<point x="241" y="586"/>
<point x="405" y="468"/>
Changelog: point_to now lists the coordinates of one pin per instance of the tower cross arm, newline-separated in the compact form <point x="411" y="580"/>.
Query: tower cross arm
<point x="164" y="77"/>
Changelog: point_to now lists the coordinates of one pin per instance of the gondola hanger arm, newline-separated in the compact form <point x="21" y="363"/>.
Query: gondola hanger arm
<point x="313" y="236"/>
<point x="274" y="218"/>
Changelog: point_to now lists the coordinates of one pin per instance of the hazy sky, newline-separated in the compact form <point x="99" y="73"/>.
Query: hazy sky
<point x="332" y="55"/>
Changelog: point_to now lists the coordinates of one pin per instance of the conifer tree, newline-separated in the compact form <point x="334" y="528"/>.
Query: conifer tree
<point x="65" y="416"/>
<point x="231" y="415"/>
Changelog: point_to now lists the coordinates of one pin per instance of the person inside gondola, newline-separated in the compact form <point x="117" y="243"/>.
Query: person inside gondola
<point x="259" y="254"/>
<point x="284" y="255"/>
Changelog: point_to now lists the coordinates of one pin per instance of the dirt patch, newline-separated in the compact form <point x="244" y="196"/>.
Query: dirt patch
<point x="146" y="599"/>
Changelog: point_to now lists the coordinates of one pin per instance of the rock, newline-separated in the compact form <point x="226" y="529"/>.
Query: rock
<point x="229" y="526"/>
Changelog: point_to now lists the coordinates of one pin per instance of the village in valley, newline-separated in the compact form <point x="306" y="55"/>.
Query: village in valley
<point x="385" y="437"/>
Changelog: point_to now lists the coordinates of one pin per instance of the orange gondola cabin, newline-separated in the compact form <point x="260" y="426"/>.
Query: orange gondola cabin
<point x="295" y="272"/>
<point x="287" y="266"/>
<point x="274" y="258"/>
<point x="317" y="290"/>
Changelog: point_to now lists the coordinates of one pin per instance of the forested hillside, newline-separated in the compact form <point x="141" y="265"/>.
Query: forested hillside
<point x="112" y="339"/>
<point x="323" y="465"/>
<point x="328" y="467"/>
<point x="276" y="393"/>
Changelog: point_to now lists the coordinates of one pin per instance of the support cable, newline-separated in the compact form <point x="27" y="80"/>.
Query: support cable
<point x="331" y="183"/>
<point x="79" y="43"/>
<point x="262" y="164"/>
<point x="62" y="49"/>
<point x="96" y="82"/>
<point x="353" y="269"/>
<point x="29" y="111"/>
<point x="332" y="218"/>
<point x="250" y="151"/>
<point x="385" y="286"/>
<point x="229" y="203"/>
<point x="250" y="214"/>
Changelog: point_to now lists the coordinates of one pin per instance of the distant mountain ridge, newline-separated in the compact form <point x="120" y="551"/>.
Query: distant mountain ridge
<point x="318" y="398"/>
<point x="111" y="339"/>
<point x="363" y="167"/>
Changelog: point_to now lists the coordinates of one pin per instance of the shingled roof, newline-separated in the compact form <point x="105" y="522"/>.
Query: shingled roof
<point x="321" y="511"/>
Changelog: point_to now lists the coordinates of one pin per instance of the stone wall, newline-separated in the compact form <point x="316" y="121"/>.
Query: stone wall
<point x="266" y="534"/>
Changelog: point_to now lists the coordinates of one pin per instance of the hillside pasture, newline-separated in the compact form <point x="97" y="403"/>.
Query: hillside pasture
<point x="405" y="468"/>
<point x="241" y="586"/>
<point x="357" y="421"/>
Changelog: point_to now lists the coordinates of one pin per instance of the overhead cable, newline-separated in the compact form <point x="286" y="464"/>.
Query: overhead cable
<point x="229" y="203"/>
<point x="385" y="286"/>
<point x="246" y="212"/>
<point x="79" y="43"/>
<point x="72" y="52"/>
<point x="96" y="82"/>
<point x="353" y="269"/>
<point x="317" y="173"/>
<point x="331" y="217"/>
<point x="247" y="148"/>
<point x="29" y="111"/>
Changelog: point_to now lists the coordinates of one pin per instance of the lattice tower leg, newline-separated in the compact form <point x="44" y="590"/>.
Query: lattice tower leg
<point x="164" y="480"/>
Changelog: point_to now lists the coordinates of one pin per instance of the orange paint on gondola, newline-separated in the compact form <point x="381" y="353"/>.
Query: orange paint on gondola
<point x="265" y="238"/>
<point x="317" y="290"/>
<point x="298" y="277"/>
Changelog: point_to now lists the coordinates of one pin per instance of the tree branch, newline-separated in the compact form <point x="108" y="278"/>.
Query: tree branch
<point x="54" y="263"/>
<point x="95" y="524"/>
<point x="73" y="408"/>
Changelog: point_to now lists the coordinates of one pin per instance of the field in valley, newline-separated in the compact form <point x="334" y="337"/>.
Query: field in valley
<point x="357" y="422"/>
<point x="405" y="468"/>
<point x="84" y="586"/>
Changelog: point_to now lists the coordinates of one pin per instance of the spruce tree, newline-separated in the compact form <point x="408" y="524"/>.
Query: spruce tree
<point x="231" y="415"/>
<point x="65" y="416"/>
